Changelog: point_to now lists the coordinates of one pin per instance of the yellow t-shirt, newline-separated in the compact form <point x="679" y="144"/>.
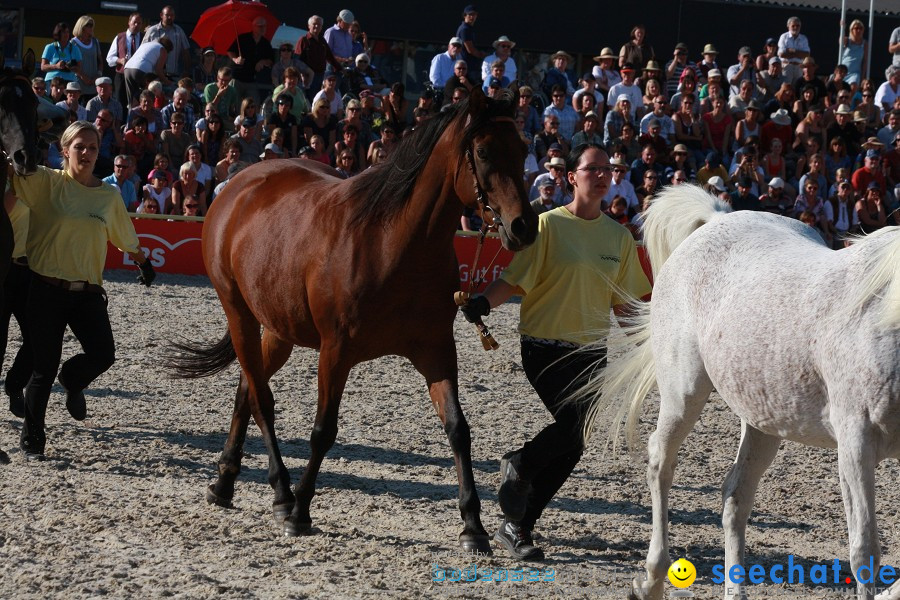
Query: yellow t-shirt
<point x="70" y="225"/>
<point x="19" y="219"/>
<point x="566" y="273"/>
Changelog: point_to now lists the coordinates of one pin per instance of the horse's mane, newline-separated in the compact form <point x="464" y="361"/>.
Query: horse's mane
<point x="881" y="277"/>
<point x="384" y="190"/>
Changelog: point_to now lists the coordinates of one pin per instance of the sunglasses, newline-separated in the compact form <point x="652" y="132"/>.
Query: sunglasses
<point x="559" y="95"/>
<point x="192" y="206"/>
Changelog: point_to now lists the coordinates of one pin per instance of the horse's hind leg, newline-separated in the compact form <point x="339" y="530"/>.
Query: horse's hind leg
<point x="681" y="403"/>
<point x="248" y="347"/>
<point x="275" y="354"/>
<point x="856" y="464"/>
<point x="437" y="363"/>
<point x="756" y="452"/>
<point x="333" y="372"/>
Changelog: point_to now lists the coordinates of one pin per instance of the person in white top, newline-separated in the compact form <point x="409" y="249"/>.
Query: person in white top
<point x="620" y="186"/>
<point x="603" y="72"/>
<point x="888" y="91"/>
<point x="150" y="57"/>
<point x="793" y="47"/>
<point x="628" y="87"/>
<point x="442" y="64"/>
<point x="502" y="49"/>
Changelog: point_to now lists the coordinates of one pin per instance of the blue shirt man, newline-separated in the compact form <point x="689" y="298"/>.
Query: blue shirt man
<point x="120" y="180"/>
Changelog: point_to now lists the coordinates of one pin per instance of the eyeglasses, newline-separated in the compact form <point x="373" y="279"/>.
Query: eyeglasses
<point x="215" y="122"/>
<point x="867" y="95"/>
<point x="150" y="208"/>
<point x="559" y="95"/>
<point x="650" y="177"/>
<point x="177" y="123"/>
<point x="194" y="206"/>
<point x="619" y="170"/>
<point x="596" y="170"/>
<point x="354" y="109"/>
<point x="680" y="180"/>
<point x="554" y="122"/>
<point x="120" y="166"/>
<point x="504" y="46"/>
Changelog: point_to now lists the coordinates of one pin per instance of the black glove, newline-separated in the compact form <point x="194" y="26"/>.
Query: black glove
<point x="475" y="308"/>
<point x="147" y="273"/>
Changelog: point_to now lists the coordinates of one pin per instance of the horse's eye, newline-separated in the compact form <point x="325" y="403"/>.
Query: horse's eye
<point x="481" y="152"/>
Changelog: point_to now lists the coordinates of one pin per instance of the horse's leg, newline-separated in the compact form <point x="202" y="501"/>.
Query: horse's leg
<point x="275" y="354"/>
<point x="248" y="347"/>
<point x="333" y="372"/>
<point x="681" y="403"/>
<point x="856" y="464"/>
<point x="437" y="363"/>
<point x="755" y="453"/>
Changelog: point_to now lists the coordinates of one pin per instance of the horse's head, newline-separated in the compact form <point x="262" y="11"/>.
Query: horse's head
<point x="494" y="155"/>
<point x="18" y="116"/>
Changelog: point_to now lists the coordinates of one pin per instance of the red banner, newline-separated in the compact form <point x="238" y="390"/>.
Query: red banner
<point x="174" y="247"/>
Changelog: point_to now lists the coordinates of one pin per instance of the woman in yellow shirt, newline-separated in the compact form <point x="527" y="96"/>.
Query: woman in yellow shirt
<point x="72" y="216"/>
<point x="582" y="264"/>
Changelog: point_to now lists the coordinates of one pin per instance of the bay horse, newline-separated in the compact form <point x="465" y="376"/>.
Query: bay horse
<point x="357" y="269"/>
<point x="801" y="342"/>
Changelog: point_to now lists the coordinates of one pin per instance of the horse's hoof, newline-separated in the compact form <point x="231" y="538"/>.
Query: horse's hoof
<point x="282" y="511"/>
<point x="292" y="529"/>
<point x="479" y="544"/>
<point x="213" y="498"/>
<point x="4" y="458"/>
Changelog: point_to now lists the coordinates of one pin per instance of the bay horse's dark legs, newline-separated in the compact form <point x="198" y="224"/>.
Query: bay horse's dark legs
<point x="275" y="354"/>
<point x="439" y="369"/>
<point x="333" y="374"/>
<point x="248" y="347"/>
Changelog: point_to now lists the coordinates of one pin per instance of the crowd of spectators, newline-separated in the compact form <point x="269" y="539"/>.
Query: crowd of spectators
<point x="766" y="130"/>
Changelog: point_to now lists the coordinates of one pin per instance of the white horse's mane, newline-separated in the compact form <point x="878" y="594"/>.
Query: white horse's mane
<point x="882" y="276"/>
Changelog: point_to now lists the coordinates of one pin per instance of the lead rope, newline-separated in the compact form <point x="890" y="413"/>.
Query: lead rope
<point x="484" y="334"/>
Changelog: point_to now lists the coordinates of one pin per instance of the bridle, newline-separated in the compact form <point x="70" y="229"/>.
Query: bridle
<point x="484" y="205"/>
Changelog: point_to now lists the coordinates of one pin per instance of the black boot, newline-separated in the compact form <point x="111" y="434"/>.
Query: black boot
<point x="518" y="541"/>
<point x="16" y="400"/>
<point x="514" y="489"/>
<point x="75" y="402"/>
<point x="33" y="439"/>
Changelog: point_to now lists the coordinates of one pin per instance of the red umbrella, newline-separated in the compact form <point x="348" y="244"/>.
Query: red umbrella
<point x="220" y="25"/>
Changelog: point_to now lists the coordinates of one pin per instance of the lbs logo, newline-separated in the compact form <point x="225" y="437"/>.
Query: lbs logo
<point x="157" y="248"/>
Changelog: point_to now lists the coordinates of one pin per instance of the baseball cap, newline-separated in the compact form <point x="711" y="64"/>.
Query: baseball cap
<point x="248" y="123"/>
<point x="548" y="182"/>
<point x="777" y="182"/>
<point x="714" y="160"/>
<point x="346" y="16"/>
<point x="73" y="86"/>
<point x="156" y="174"/>
<point x="872" y="153"/>
<point x="873" y="185"/>
<point x="471" y="8"/>
<point x="271" y="147"/>
<point x="455" y="41"/>
<point x="745" y="181"/>
<point x="588" y="77"/>
<point x="717" y="182"/>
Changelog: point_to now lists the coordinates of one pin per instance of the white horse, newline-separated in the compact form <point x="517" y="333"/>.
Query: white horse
<point x="802" y="343"/>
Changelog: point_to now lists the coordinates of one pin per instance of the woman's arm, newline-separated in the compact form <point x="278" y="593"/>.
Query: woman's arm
<point x="499" y="292"/>
<point x="160" y="67"/>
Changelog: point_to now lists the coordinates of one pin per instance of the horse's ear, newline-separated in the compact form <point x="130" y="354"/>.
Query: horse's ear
<point x="28" y="63"/>
<point x="477" y="101"/>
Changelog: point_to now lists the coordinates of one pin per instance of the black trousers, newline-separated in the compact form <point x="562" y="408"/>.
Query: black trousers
<point x="15" y="302"/>
<point x="135" y="81"/>
<point x="549" y="458"/>
<point x="50" y="310"/>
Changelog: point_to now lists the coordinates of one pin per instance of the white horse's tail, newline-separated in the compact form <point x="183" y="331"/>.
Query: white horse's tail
<point x="674" y="214"/>
<point x="619" y="392"/>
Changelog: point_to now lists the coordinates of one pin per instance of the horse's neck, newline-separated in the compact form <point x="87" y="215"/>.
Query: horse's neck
<point x="435" y="206"/>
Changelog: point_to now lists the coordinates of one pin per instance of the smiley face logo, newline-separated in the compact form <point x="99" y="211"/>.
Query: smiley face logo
<point x="682" y="573"/>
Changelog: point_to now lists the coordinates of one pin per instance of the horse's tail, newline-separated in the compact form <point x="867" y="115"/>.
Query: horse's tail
<point x="196" y="360"/>
<point x="674" y="214"/>
<point x="881" y="277"/>
<point x="629" y="376"/>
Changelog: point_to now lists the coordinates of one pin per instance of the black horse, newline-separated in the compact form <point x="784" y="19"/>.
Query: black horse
<point x="19" y="144"/>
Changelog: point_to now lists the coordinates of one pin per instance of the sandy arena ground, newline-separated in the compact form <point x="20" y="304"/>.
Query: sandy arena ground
<point x="118" y="508"/>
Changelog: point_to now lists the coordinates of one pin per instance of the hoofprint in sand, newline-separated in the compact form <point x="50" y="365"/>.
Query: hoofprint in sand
<point x="118" y="507"/>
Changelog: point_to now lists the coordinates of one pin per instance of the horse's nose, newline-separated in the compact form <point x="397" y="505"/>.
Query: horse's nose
<point x="24" y="160"/>
<point x="523" y="230"/>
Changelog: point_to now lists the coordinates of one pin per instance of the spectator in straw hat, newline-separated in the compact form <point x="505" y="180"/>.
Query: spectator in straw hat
<point x="502" y="51"/>
<point x="73" y="94"/>
<point x="844" y="128"/>
<point x="629" y="88"/>
<point x="620" y="186"/>
<point x="590" y="131"/>
<point x="557" y="74"/>
<point x="710" y="54"/>
<point x="603" y="72"/>
<point x="555" y="170"/>
<point x="808" y="79"/>
<point x="651" y="70"/>
<point x="778" y="126"/>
